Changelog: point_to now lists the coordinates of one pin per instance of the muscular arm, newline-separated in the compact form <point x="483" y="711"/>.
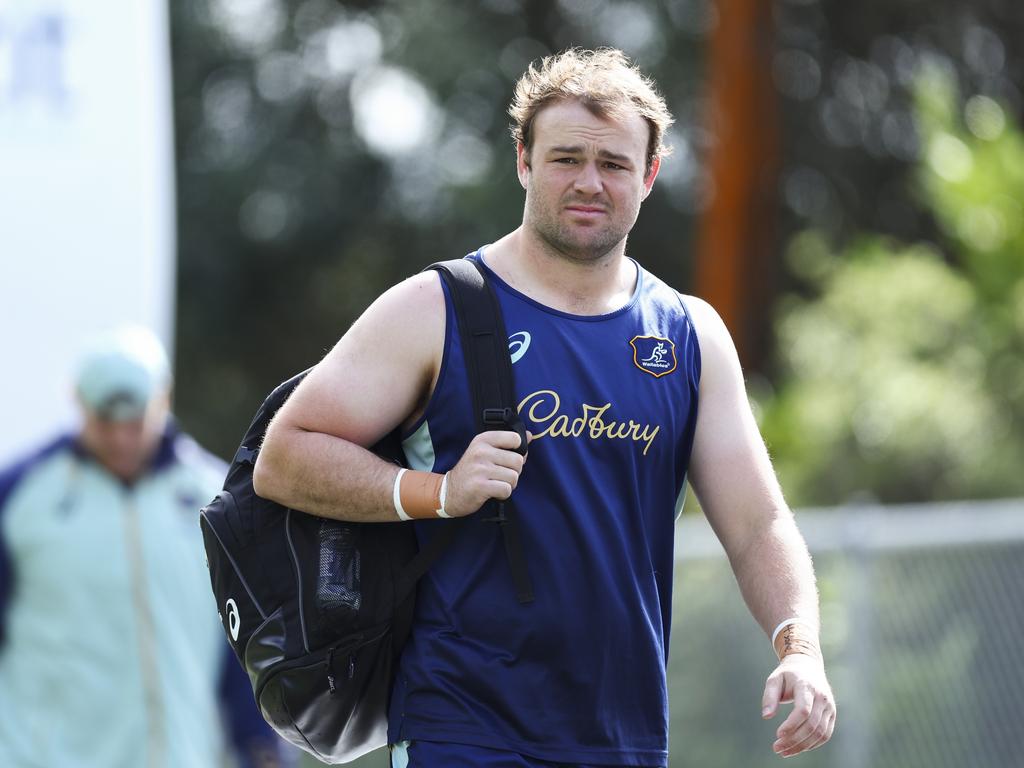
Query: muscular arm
<point x="736" y="485"/>
<point x="315" y="455"/>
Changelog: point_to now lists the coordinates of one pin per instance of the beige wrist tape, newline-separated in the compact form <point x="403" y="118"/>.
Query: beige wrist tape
<point x="795" y="637"/>
<point x="419" y="495"/>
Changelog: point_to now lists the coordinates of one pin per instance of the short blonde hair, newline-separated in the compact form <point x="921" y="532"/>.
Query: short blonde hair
<point x="604" y="80"/>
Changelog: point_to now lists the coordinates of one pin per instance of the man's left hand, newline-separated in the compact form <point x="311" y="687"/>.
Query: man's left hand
<point x="801" y="679"/>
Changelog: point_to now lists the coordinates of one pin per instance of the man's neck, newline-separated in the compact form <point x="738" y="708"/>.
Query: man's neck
<point x="581" y="287"/>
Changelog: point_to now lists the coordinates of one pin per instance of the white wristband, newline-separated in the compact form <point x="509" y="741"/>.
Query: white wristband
<point x="785" y="623"/>
<point x="444" y="495"/>
<point x="397" y="496"/>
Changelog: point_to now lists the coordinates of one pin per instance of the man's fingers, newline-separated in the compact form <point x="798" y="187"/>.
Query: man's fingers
<point x="826" y="734"/>
<point x="829" y="726"/>
<point x="816" y="730"/>
<point x="808" y="735"/>
<point x="508" y="459"/>
<point x="504" y="440"/>
<point x="800" y="679"/>
<point x="803" y="703"/>
<point x="501" y="438"/>
<point x="489" y="469"/>
<point x="496" y="448"/>
<point x="772" y="695"/>
<point x="504" y="476"/>
<point x="498" y="489"/>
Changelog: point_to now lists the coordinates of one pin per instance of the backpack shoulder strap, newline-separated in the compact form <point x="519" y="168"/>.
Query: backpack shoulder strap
<point x="489" y="368"/>
<point x="485" y="346"/>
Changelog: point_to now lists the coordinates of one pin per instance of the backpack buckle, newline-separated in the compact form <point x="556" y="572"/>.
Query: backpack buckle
<point x="246" y="455"/>
<point x="499" y="417"/>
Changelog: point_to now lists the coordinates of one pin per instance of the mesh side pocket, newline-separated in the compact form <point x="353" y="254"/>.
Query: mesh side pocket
<point x="338" y="583"/>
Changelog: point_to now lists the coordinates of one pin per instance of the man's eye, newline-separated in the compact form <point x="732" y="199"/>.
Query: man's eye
<point x="614" y="166"/>
<point x="570" y="160"/>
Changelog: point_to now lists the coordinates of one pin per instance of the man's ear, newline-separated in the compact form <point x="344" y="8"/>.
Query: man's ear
<point x="651" y="176"/>
<point x="522" y="163"/>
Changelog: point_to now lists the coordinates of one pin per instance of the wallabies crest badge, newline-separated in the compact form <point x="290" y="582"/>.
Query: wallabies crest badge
<point x="654" y="355"/>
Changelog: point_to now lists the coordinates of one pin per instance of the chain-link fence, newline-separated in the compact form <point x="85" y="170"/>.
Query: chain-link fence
<point x="923" y="632"/>
<point x="923" y="612"/>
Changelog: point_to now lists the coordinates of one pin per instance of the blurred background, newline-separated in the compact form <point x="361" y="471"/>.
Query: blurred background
<point x="846" y="187"/>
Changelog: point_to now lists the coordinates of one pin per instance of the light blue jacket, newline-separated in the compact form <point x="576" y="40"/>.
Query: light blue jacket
<point x="112" y="653"/>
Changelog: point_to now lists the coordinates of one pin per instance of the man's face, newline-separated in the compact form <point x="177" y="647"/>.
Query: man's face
<point x="584" y="179"/>
<point x="125" y="447"/>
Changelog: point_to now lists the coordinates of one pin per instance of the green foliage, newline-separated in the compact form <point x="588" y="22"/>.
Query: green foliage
<point x="904" y="374"/>
<point x="973" y="178"/>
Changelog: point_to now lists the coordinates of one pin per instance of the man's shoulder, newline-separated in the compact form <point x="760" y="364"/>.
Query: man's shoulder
<point x="404" y="318"/>
<point x="13" y="474"/>
<point x="661" y="290"/>
<point x="703" y="316"/>
<point x="407" y="307"/>
<point x="418" y="292"/>
<point x="186" y="471"/>
<point x="694" y="312"/>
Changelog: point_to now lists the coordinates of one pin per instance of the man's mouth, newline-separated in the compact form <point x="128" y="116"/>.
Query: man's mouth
<point x="586" y="210"/>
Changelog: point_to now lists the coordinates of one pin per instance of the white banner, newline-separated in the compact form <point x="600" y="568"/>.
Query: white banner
<point x="86" y="194"/>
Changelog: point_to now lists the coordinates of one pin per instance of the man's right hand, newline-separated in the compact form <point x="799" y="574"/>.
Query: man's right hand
<point x="489" y="469"/>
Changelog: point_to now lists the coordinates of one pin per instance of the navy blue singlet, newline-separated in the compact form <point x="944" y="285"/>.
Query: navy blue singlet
<point x="577" y="676"/>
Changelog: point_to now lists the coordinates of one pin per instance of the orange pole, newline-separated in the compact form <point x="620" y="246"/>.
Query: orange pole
<point x="734" y="242"/>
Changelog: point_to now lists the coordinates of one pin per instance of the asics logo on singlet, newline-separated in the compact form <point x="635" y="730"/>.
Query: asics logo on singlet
<point x="234" y="619"/>
<point x="518" y="343"/>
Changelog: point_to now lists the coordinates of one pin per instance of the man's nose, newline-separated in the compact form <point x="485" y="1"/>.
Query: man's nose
<point x="588" y="180"/>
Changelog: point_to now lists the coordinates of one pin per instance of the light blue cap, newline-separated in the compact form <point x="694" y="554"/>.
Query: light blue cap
<point x="121" y="371"/>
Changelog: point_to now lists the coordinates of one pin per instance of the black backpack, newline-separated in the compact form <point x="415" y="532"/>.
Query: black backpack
<point x="317" y="610"/>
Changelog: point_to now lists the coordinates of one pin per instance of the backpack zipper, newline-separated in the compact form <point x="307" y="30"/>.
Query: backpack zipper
<point x="298" y="577"/>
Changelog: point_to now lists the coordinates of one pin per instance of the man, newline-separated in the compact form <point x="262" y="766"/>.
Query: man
<point x="609" y="365"/>
<point x="112" y="655"/>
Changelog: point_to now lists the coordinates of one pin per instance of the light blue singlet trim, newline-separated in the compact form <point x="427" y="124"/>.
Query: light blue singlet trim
<point x="400" y="755"/>
<point x="419" y="449"/>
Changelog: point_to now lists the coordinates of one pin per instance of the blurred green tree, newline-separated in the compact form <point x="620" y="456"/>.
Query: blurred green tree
<point x="904" y="376"/>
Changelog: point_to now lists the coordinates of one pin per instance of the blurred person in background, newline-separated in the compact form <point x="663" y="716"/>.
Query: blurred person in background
<point x="111" y="652"/>
<point x="608" y="373"/>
